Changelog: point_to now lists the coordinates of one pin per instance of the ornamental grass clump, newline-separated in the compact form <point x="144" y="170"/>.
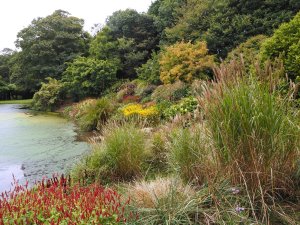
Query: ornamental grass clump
<point x="96" y="114"/>
<point x="255" y="132"/>
<point x="56" y="202"/>
<point x="119" y="156"/>
<point x="170" y="201"/>
<point x="91" y="113"/>
<point x="190" y="155"/>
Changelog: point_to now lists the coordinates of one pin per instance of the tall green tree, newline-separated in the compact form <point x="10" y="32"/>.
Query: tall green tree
<point x="128" y="40"/>
<point x="88" y="77"/>
<point x="7" y="89"/>
<point x="46" y="45"/>
<point x="165" y="13"/>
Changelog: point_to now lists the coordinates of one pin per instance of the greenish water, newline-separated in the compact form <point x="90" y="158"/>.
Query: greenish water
<point x="33" y="146"/>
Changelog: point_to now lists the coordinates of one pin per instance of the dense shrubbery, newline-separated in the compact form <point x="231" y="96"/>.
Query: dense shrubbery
<point x="89" y="77"/>
<point x="150" y="71"/>
<point x="49" y="96"/>
<point x="285" y="44"/>
<point x="248" y="51"/>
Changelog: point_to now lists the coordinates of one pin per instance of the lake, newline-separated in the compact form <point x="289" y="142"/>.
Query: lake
<point x="33" y="146"/>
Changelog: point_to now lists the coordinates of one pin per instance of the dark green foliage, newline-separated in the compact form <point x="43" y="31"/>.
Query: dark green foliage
<point x="285" y="43"/>
<point x="89" y="77"/>
<point x="46" y="44"/>
<point x="7" y="89"/>
<point x="224" y="24"/>
<point x="128" y="40"/>
<point x="133" y="25"/>
<point x="248" y="50"/>
<point x="165" y="13"/>
<point x="150" y="70"/>
<point x="49" y="96"/>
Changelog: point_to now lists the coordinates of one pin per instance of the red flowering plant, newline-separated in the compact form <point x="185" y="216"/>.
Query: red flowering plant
<point x="55" y="201"/>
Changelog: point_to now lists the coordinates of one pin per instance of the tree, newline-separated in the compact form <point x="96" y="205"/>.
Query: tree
<point x="224" y="24"/>
<point x="285" y="43"/>
<point x="165" y="13"/>
<point x="89" y="77"/>
<point x="49" y="96"/>
<point x="185" y="62"/>
<point x="127" y="40"/>
<point x="46" y="45"/>
<point x="7" y="89"/>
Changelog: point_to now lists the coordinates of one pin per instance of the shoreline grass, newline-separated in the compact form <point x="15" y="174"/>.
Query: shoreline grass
<point x="23" y="101"/>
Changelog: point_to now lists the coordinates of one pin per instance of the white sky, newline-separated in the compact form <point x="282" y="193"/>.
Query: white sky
<point x="17" y="14"/>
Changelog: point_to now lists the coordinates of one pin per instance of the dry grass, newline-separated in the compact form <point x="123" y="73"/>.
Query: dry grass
<point x="149" y="194"/>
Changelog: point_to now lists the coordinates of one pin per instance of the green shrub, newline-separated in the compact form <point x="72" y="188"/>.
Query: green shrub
<point x="49" y="96"/>
<point x="249" y="50"/>
<point x="119" y="156"/>
<point x="285" y="44"/>
<point x="150" y="70"/>
<point x="256" y="134"/>
<point x="186" y="105"/>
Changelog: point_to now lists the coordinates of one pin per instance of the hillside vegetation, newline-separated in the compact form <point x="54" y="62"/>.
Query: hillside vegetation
<point x="195" y="105"/>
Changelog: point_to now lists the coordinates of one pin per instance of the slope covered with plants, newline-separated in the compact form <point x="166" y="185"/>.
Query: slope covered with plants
<point x="195" y="105"/>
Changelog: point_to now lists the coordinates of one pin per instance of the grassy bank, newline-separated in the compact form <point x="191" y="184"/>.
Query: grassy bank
<point x="23" y="101"/>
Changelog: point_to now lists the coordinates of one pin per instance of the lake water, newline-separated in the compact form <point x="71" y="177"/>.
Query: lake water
<point x="33" y="146"/>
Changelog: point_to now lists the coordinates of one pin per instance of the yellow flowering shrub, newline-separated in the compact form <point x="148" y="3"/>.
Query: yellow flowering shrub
<point x="138" y="109"/>
<point x="184" y="61"/>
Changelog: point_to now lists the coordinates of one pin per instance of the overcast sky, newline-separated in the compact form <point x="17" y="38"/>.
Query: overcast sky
<point x="17" y="14"/>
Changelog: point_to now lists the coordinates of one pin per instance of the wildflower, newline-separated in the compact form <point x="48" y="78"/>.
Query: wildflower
<point x="239" y="209"/>
<point x="235" y="190"/>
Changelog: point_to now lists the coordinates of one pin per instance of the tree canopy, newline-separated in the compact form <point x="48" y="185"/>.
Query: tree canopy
<point x="46" y="45"/>
<point x="224" y="24"/>
<point x="128" y="39"/>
